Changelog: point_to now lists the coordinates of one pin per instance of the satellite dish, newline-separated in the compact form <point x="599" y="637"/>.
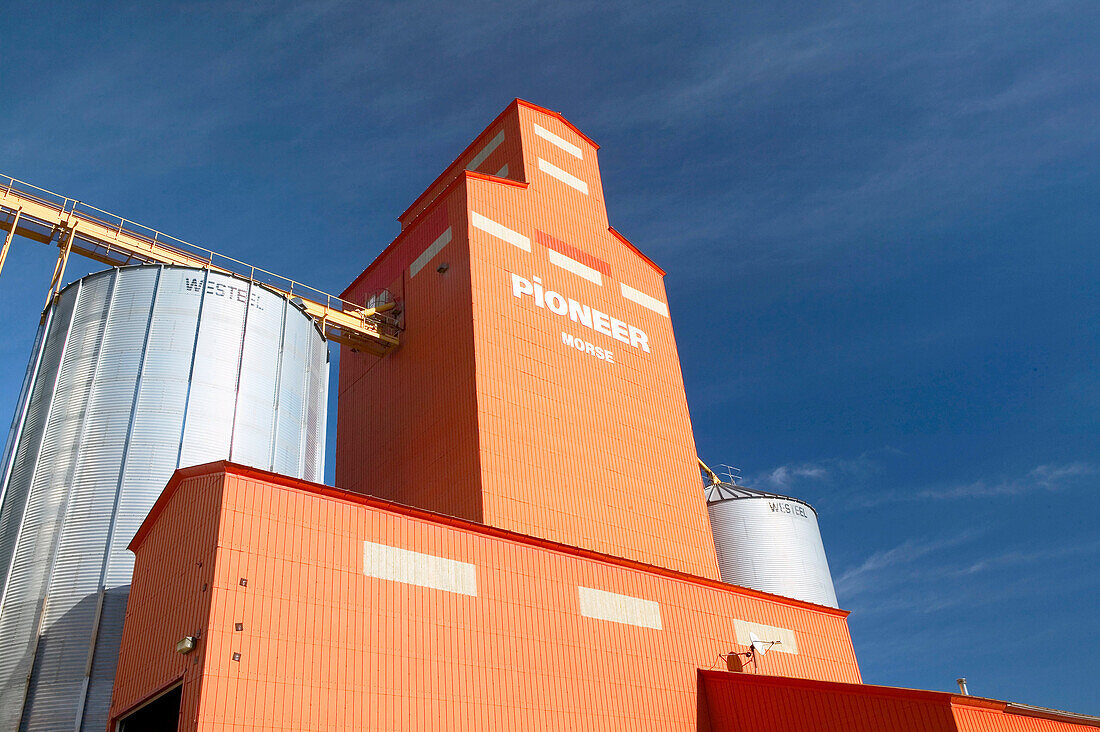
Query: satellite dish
<point x="761" y="646"/>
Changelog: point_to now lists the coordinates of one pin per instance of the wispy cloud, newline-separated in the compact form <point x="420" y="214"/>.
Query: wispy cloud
<point x="837" y="473"/>
<point x="1052" y="477"/>
<point x="856" y="483"/>
<point x="784" y="475"/>
<point x="946" y="572"/>
<point x="1017" y="558"/>
<point x="970" y="122"/>
<point x="858" y="579"/>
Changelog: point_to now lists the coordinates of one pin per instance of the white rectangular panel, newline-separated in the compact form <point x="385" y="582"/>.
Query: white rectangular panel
<point x="618" y="608"/>
<point x="486" y="151"/>
<point x="644" y="300"/>
<point x="424" y="570"/>
<point x="560" y="142"/>
<point x="766" y="633"/>
<point x="500" y="231"/>
<point x="566" y="178"/>
<point x="433" y="249"/>
<point x="581" y="270"/>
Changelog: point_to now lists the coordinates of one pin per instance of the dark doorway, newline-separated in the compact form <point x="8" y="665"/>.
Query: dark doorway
<point x="160" y="715"/>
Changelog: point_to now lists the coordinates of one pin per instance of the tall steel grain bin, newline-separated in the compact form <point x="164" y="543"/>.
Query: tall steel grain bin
<point x="769" y="542"/>
<point x="137" y="371"/>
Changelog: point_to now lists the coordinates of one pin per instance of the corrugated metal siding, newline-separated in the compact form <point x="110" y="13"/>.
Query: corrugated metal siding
<point x="501" y="642"/>
<point x="17" y="423"/>
<point x="140" y="371"/>
<point x="772" y="544"/>
<point x="21" y="615"/>
<point x="254" y="419"/>
<point x="292" y="399"/>
<point x="313" y="453"/>
<point x="484" y="397"/>
<point x="25" y="452"/>
<point x="740" y="702"/>
<point x="744" y="703"/>
<point x="215" y="369"/>
<point x="971" y="719"/>
<point x="70" y="613"/>
<point x="175" y="571"/>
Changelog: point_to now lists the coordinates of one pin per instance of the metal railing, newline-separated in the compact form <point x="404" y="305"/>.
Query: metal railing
<point x="118" y="241"/>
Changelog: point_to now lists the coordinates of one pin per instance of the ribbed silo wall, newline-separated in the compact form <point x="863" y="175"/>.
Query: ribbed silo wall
<point x="771" y="543"/>
<point x="136" y="371"/>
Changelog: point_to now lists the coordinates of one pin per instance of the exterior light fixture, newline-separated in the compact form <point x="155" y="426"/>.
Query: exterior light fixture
<point x="186" y="644"/>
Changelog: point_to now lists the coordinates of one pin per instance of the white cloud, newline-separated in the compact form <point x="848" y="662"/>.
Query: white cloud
<point x="825" y="471"/>
<point x="966" y="133"/>
<point x="867" y="575"/>
<point x="1048" y="477"/>
<point x="784" y="475"/>
<point x="1016" y="558"/>
<point x="923" y="577"/>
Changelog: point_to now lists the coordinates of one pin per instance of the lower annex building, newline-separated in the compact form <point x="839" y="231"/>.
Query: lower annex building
<point x="495" y="559"/>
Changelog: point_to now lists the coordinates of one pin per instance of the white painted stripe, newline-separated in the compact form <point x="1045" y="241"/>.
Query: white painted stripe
<point x="502" y="172"/>
<point x="644" y="300"/>
<point x="486" y="151"/>
<point x="566" y="178"/>
<point x="577" y="268"/>
<point x="560" y="142"/>
<point x="619" y="608"/>
<point x="500" y="231"/>
<point x="433" y="249"/>
<point x="787" y="643"/>
<point x="424" y="570"/>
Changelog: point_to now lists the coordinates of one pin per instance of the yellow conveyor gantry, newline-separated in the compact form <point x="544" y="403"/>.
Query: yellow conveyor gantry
<point x="40" y="215"/>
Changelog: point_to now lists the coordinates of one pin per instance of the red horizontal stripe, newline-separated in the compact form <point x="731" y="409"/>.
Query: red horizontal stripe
<point x="572" y="252"/>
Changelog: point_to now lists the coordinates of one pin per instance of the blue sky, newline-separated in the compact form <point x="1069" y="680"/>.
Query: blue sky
<point x="879" y="222"/>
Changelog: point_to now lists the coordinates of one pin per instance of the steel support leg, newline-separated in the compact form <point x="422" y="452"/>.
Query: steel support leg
<point x="10" y="236"/>
<point x="59" y="269"/>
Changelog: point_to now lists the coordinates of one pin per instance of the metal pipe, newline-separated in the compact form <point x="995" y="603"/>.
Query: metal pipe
<point x="962" y="686"/>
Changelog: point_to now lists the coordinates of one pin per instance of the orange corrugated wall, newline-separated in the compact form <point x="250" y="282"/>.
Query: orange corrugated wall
<point x="505" y="159"/>
<point x="485" y="412"/>
<point x="971" y="719"/>
<point x="407" y="423"/>
<point x="325" y="647"/>
<point x="173" y="576"/>
<point x="743" y="703"/>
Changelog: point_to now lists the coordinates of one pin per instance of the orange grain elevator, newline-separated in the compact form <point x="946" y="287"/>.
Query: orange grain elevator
<point x="538" y="381"/>
<point x="552" y="566"/>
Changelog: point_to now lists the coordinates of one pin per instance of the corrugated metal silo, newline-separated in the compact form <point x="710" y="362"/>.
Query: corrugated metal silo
<point x="769" y="542"/>
<point x="137" y="371"/>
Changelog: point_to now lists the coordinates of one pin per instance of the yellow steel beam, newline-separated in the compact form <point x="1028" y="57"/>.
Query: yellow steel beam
<point x="98" y="233"/>
<point x="9" y="237"/>
<point x="39" y="218"/>
<point x="714" y="479"/>
<point x="59" y="270"/>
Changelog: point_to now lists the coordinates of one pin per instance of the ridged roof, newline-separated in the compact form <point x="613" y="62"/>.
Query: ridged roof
<point x="716" y="492"/>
